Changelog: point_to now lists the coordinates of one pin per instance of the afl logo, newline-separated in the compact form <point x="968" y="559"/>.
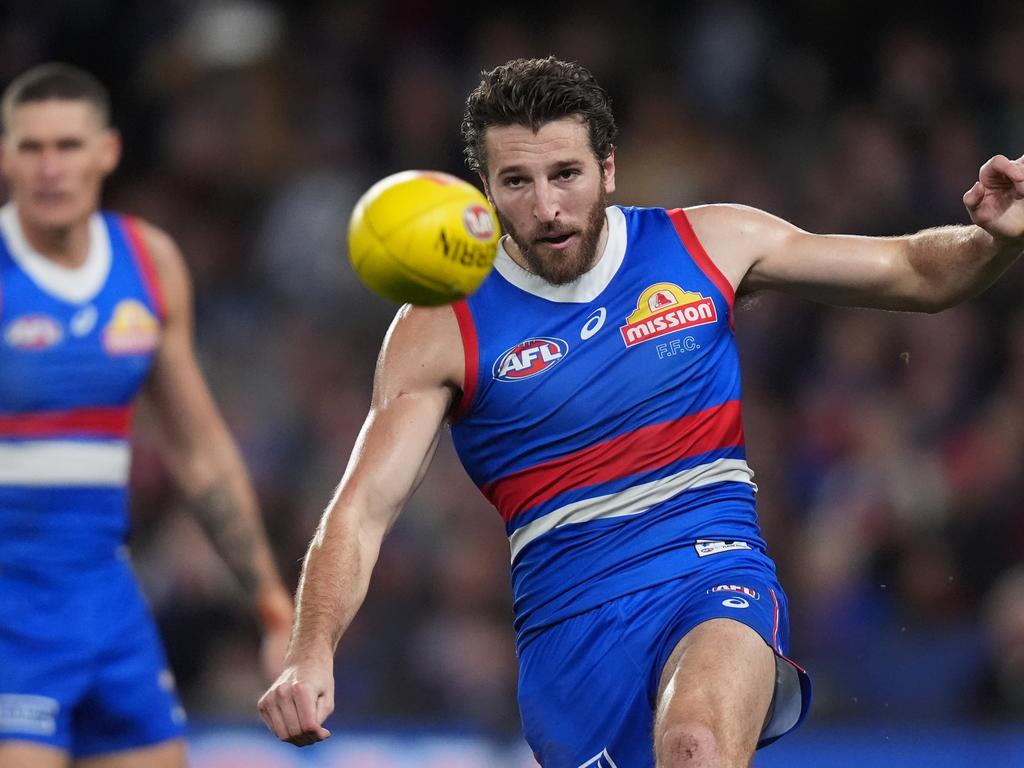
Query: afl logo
<point x="529" y="358"/>
<point x="33" y="332"/>
<point x="479" y="222"/>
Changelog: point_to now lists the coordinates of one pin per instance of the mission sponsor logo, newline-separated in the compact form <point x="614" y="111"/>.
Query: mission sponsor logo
<point x="530" y="358"/>
<point x="33" y="332"/>
<point x="666" y="308"/>
<point x="132" y="329"/>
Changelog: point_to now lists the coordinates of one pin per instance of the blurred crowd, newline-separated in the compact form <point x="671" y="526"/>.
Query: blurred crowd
<point x="888" y="448"/>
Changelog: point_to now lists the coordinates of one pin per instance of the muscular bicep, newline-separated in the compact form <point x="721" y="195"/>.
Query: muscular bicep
<point x="391" y="455"/>
<point x="417" y="378"/>
<point x="758" y="251"/>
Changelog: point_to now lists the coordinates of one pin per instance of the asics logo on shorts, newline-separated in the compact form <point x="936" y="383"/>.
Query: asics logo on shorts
<point x="603" y="760"/>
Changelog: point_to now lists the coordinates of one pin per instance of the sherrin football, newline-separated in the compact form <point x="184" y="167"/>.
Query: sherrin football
<point x="422" y="237"/>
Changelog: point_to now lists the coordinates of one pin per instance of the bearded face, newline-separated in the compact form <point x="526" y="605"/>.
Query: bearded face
<point x="550" y="193"/>
<point x="559" y="252"/>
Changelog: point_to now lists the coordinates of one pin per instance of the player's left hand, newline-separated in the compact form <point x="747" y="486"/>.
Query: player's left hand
<point x="275" y="611"/>
<point x="996" y="201"/>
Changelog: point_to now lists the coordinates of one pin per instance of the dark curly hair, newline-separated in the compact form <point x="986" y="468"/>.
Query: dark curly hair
<point x="55" y="80"/>
<point x="532" y="92"/>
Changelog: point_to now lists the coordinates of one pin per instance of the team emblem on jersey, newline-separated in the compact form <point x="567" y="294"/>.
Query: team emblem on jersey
<point x="33" y="332"/>
<point x="529" y="358"/>
<point x="666" y="308"/>
<point x="132" y="329"/>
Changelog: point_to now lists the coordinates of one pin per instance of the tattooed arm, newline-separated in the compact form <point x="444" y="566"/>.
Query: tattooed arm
<point x="204" y="460"/>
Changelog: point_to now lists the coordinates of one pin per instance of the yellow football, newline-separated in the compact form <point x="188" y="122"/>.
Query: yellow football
<point x="422" y="237"/>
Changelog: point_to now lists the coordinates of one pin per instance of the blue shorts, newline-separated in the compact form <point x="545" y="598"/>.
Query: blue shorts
<point x="81" y="666"/>
<point x="588" y="685"/>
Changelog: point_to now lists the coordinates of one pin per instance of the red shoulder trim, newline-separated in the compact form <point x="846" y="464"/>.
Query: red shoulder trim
<point x="144" y="262"/>
<point x="700" y="257"/>
<point x="471" y="352"/>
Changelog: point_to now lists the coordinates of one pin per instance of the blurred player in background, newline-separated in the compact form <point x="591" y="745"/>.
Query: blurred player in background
<point x="593" y="389"/>
<point x="95" y="308"/>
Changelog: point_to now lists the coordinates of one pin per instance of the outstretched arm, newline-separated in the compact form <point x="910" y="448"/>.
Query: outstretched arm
<point x="203" y="458"/>
<point x="928" y="271"/>
<point x="418" y="374"/>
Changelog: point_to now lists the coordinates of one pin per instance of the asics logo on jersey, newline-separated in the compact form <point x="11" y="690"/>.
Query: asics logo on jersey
<point x="603" y="760"/>
<point x="594" y="323"/>
<point x="530" y="358"/>
<point x="665" y="308"/>
<point x="84" y="320"/>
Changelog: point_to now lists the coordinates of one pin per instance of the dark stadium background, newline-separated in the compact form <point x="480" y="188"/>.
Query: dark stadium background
<point x="888" y="448"/>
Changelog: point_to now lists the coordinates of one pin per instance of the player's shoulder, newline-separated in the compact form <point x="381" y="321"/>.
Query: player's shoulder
<point x="424" y="326"/>
<point x="723" y="214"/>
<point x="158" y="243"/>
<point x="163" y="253"/>
<point x="425" y="339"/>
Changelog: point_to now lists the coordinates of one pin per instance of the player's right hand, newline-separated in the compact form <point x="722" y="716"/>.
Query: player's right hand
<point x="298" y="702"/>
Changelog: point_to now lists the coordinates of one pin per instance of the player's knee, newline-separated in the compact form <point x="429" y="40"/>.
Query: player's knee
<point x="688" y="744"/>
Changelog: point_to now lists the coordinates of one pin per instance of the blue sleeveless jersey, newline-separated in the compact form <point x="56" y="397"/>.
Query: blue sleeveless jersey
<point x="75" y="347"/>
<point x="602" y="419"/>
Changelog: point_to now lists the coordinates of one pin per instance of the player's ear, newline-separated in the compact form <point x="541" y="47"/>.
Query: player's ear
<point x="608" y="171"/>
<point x="111" y="150"/>
<point x="486" y="186"/>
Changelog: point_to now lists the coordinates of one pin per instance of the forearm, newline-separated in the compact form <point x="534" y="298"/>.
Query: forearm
<point x="228" y="515"/>
<point x="334" y="582"/>
<point x="953" y="264"/>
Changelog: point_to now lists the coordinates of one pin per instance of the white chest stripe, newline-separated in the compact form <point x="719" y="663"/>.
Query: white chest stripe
<point x="41" y="463"/>
<point x="634" y="500"/>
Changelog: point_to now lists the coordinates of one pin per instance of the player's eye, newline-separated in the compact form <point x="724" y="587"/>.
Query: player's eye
<point x="567" y="174"/>
<point x="513" y="181"/>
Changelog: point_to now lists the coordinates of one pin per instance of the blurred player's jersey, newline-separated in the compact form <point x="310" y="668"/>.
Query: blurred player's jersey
<point x="602" y="418"/>
<point x="75" y="347"/>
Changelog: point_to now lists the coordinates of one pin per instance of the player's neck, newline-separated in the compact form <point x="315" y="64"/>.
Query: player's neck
<point x="67" y="246"/>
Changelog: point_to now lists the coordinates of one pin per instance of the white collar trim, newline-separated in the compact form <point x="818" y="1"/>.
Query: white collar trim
<point x="589" y="285"/>
<point x="76" y="285"/>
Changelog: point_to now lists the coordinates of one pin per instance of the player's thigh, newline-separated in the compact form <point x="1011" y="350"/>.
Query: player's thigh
<point x="170" y="754"/>
<point x="718" y="682"/>
<point x="25" y="754"/>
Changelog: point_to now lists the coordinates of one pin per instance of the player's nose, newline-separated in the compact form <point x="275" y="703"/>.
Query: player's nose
<point x="545" y="203"/>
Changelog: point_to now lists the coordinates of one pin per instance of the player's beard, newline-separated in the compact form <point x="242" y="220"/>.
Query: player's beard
<point x="560" y="267"/>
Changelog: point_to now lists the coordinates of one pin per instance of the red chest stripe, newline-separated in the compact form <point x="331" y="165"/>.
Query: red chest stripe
<point x="642" y="450"/>
<point x="110" y="421"/>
